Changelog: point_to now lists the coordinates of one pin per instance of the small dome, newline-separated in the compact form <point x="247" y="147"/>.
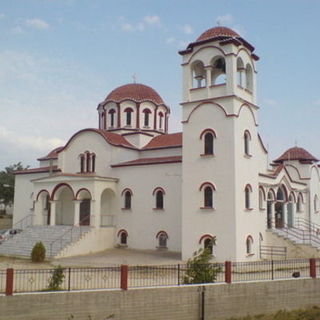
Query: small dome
<point x="136" y="92"/>
<point x="217" y="32"/>
<point x="296" y="153"/>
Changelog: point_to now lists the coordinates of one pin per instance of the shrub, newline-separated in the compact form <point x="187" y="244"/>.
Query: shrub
<point x="56" y="279"/>
<point x="199" y="268"/>
<point x="38" y="253"/>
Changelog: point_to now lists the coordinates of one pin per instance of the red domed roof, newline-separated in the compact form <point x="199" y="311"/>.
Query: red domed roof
<point x="217" y="32"/>
<point x="296" y="153"/>
<point x="136" y="92"/>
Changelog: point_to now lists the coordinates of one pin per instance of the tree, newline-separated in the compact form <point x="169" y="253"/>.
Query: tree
<point x="199" y="268"/>
<point x="7" y="183"/>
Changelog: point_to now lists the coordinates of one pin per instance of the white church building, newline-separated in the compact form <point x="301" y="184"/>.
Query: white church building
<point x="138" y="186"/>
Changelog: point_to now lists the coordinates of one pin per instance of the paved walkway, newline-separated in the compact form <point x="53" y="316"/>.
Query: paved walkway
<point x="114" y="257"/>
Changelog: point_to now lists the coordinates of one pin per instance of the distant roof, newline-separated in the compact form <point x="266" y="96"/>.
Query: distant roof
<point x="38" y="170"/>
<point x="134" y="91"/>
<point x="52" y="154"/>
<point x="296" y="153"/>
<point x="171" y="140"/>
<point x="149" y="161"/>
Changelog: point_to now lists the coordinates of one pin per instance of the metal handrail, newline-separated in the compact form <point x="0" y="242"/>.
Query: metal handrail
<point x="310" y="225"/>
<point x="272" y="251"/>
<point x="23" y="222"/>
<point x="64" y="237"/>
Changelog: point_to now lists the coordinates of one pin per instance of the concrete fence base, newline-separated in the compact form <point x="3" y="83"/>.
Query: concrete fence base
<point x="212" y="302"/>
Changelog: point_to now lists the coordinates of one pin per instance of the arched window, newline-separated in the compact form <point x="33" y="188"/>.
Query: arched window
<point x="158" y="193"/>
<point x="198" y="75"/>
<point x="208" y="143"/>
<point x="208" y="242"/>
<point x="160" y="120"/>
<point x="93" y="162"/>
<point x="247" y="138"/>
<point x="82" y="161"/>
<point x="123" y="237"/>
<point x="88" y="161"/>
<point x="247" y="192"/>
<point x="146" y="113"/>
<point x="111" y="117"/>
<point x="127" y="200"/>
<point x="208" y="136"/>
<point x="159" y="199"/>
<point x="218" y="71"/>
<point x="208" y="197"/>
<point x="315" y="204"/>
<point x="162" y="237"/>
<point x="249" y="78"/>
<point x="249" y="243"/>
<point x="128" y="112"/>
<point x="240" y="73"/>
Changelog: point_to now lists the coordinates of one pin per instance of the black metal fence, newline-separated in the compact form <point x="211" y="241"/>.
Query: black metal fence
<point x="270" y="270"/>
<point x="32" y="280"/>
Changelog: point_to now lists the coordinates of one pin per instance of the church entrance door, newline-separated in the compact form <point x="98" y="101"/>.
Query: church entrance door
<point x="279" y="215"/>
<point x="85" y="212"/>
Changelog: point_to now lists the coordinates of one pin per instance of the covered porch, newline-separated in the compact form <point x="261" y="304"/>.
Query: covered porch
<point x="74" y="200"/>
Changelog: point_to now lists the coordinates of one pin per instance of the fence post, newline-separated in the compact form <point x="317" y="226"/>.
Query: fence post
<point x="9" y="282"/>
<point x="178" y="274"/>
<point x="227" y="274"/>
<point x="313" y="269"/>
<point x="124" y="277"/>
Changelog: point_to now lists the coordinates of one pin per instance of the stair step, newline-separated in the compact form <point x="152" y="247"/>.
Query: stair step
<point x="54" y="238"/>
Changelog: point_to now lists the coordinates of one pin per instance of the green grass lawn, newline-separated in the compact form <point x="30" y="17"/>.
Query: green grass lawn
<point x="301" y="314"/>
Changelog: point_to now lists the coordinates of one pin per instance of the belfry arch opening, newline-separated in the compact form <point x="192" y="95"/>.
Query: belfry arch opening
<point x="199" y="78"/>
<point x="218" y="71"/>
<point x="241" y="74"/>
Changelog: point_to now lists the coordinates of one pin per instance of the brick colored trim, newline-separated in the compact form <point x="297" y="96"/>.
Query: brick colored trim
<point x="206" y="131"/>
<point x="121" y="231"/>
<point x="207" y="183"/>
<point x="205" y="236"/>
<point x="125" y="190"/>
<point x="57" y="187"/>
<point x="160" y="233"/>
<point x="158" y="189"/>
<point x="83" y="189"/>
<point x="43" y="190"/>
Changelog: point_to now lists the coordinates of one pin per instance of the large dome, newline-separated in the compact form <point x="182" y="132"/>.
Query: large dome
<point x="217" y="32"/>
<point x="136" y="92"/>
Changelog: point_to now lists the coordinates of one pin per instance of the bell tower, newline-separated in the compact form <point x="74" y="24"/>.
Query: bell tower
<point x="219" y="141"/>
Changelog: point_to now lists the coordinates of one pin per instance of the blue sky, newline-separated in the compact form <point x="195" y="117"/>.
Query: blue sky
<point x="60" y="58"/>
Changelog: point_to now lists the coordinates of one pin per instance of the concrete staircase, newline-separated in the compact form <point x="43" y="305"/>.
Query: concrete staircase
<point x="54" y="238"/>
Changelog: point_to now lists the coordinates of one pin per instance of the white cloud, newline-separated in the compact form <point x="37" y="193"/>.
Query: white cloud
<point x="317" y="102"/>
<point x="152" y="20"/>
<point x="147" y="21"/>
<point x="187" y="29"/>
<point x="37" y="23"/>
<point x="180" y="44"/>
<point x="2" y="15"/>
<point x="224" y="20"/>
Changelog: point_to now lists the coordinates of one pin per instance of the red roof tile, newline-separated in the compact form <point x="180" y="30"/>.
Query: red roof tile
<point x="52" y="154"/>
<point x="165" y="141"/>
<point x="136" y="92"/>
<point x="217" y="32"/>
<point x="296" y="153"/>
<point x="38" y="170"/>
<point x="149" y="161"/>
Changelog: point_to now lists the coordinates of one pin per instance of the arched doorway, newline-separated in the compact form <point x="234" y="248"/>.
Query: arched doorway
<point x="43" y="199"/>
<point x="64" y="196"/>
<point x="270" y="201"/>
<point x="279" y="208"/>
<point x="85" y="207"/>
<point x="107" y="208"/>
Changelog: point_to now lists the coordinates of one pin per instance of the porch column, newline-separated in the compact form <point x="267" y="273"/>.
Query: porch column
<point x="37" y="213"/>
<point x="76" y="214"/>
<point x="95" y="214"/>
<point x="285" y="214"/>
<point x="53" y="207"/>
<point x="273" y="215"/>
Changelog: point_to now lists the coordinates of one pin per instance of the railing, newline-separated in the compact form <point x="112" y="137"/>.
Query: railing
<point x="24" y="222"/>
<point x="124" y="277"/>
<point x="300" y="235"/>
<point x="272" y="252"/>
<point x="164" y="275"/>
<point x="67" y="237"/>
<point x="305" y="224"/>
<point x="270" y="270"/>
<point x="32" y="280"/>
